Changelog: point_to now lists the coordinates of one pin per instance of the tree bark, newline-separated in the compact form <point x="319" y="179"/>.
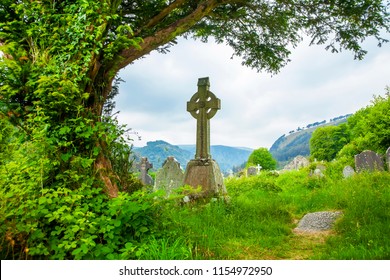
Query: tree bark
<point x="105" y="172"/>
<point x="99" y="88"/>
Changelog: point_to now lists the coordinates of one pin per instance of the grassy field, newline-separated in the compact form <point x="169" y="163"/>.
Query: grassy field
<point x="257" y="221"/>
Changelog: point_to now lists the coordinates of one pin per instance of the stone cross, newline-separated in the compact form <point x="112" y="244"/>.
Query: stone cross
<point x="203" y="170"/>
<point x="143" y="167"/>
<point x="203" y="105"/>
<point x="259" y="167"/>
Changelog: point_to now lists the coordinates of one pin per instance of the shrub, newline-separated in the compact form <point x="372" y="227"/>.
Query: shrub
<point x="47" y="214"/>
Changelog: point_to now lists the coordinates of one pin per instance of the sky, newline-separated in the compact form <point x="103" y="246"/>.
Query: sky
<point x="256" y="108"/>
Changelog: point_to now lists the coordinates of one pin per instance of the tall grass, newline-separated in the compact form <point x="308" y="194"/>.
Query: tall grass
<point x="257" y="223"/>
<point x="364" y="232"/>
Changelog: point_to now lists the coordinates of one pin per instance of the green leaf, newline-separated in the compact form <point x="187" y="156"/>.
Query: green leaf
<point x="76" y="251"/>
<point x="66" y="157"/>
<point x="42" y="200"/>
<point x="75" y="228"/>
<point x="117" y="223"/>
<point x="64" y="130"/>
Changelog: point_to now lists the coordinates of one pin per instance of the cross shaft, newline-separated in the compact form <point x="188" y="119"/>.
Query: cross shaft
<point x="203" y="106"/>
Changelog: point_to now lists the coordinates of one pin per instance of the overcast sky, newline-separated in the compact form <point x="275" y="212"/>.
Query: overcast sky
<point x="257" y="108"/>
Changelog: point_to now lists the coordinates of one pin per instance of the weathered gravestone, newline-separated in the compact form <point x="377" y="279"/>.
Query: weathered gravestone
<point x="348" y="171"/>
<point x="297" y="163"/>
<point x="203" y="170"/>
<point x="317" y="221"/>
<point x="388" y="159"/>
<point x="318" y="173"/>
<point x="321" y="167"/>
<point x="170" y="176"/>
<point x="368" y="161"/>
<point x="251" y="171"/>
<point x="143" y="167"/>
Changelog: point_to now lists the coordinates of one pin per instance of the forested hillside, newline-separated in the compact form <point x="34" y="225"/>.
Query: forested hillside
<point x="296" y="143"/>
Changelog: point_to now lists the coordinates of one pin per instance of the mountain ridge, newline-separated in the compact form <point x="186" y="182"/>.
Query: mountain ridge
<point x="157" y="151"/>
<point x="285" y="148"/>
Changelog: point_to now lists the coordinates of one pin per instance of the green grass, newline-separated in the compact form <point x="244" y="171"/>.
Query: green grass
<point x="257" y="223"/>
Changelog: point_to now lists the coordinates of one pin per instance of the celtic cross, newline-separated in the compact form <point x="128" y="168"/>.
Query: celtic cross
<point x="203" y="105"/>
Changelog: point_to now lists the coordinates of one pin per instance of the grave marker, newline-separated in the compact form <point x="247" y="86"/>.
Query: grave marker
<point x="143" y="167"/>
<point x="368" y="161"/>
<point x="297" y="163"/>
<point x="170" y="176"/>
<point x="251" y="171"/>
<point x="204" y="171"/>
<point x="348" y="171"/>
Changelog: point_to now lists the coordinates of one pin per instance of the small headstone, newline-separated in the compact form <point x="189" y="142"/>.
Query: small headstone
<point x="251" y="171"/>
<point x="317" y="221"/>
<point x="297" y="163"/>
<point x="318" y="173"/>
<point x="143" y="167"/>
<point x="170" y="176"/>
<point x="348" y="171"/>
<point x="388" y="159"/>
<point x="321" y="167"/>
<point x="368" y="161"/>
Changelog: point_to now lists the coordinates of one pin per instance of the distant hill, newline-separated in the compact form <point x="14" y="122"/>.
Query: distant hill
<point x="296" y="143"/>
<point x="157" y="152"/>
<point x="227" y="157"/>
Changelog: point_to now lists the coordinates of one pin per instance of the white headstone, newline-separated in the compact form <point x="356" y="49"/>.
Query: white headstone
<point x="348" y="171"/>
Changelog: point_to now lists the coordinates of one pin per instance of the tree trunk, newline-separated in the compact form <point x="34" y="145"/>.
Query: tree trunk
<point x="105" y="173"/>
<point x="99" y="88"/>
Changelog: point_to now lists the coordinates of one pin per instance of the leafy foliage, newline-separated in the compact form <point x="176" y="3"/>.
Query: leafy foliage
<point x="369" y="127"/>
<point x="64" y="216"/>
<point x="263" y="157"/>
<point x="327" y="141"/>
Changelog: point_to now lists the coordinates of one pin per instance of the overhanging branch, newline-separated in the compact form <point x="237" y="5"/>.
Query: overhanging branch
<point x="167" y="34"/>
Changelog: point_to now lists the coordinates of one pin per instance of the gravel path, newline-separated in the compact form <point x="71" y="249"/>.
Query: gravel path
<point x="318" y="221"/>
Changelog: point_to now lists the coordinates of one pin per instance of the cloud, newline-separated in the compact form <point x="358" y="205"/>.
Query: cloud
<point x="257" y="108"/>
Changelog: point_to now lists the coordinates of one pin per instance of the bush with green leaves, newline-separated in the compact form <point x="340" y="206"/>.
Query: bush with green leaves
<point x="47" y="214"/>
<point x="263" y="157"/>
<point x="83" y="223"/>
<point x="327" y="141"/>
<point x="369" y="127"/>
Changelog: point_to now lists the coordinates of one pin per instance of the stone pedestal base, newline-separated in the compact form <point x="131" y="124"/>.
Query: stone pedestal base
<point x="205" y="173"/>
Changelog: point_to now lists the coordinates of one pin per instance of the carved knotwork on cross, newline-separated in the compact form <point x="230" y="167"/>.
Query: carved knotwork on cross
<point x="203" y="105"/>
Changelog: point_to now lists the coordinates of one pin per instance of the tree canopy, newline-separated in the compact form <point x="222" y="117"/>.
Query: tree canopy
<point x="369" y="127"/>
<point x="327" y="141"/>
<point x="263" y="157"/>
<point x="60" y="57"/>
